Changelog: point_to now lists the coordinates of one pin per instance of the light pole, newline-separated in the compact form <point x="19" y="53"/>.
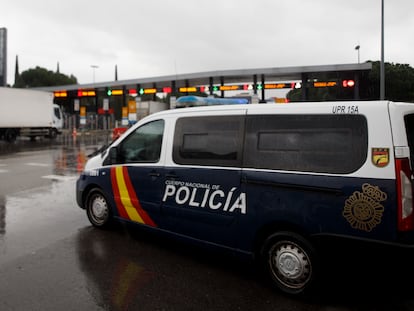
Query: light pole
<point x="93" y="71"/>
<point x="382" y="70"/>
<point x="357" y="48"/>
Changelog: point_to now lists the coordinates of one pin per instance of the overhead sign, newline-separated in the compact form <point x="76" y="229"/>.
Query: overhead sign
<point x="325" y="84"/>
<point x="60" y="94"/>
<point x="290" y="85"/>
<point x="148" y="91"/>
<point x="191" y="89"/>
<point x="230" y="87"/>
<point x="82" y="93"/>
<point x="111" y="92"/>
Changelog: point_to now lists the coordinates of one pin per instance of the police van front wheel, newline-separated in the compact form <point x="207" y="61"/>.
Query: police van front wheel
<point x="290" y="262"/>
<point x="97" y="209"/>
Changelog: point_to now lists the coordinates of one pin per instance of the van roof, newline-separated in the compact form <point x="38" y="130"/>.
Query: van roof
<point x="293" y="107"/>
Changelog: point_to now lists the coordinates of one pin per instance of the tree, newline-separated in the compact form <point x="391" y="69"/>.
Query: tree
<point x="399" y="82"/>
<point x="42" y="77"/>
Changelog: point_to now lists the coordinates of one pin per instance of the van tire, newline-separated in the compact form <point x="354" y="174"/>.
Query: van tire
<point x="290" y="262"/>
<point x="97" y="209"/>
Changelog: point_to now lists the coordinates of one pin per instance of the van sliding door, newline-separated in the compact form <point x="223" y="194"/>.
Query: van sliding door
<point x="202" y="197"/>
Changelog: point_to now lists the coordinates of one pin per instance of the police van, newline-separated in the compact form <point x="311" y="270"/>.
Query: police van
<point x="264" y="180"/>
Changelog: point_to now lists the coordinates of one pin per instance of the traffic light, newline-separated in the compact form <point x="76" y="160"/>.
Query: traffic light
<point x="348" y="83"/>
<point x="109" y="92"/>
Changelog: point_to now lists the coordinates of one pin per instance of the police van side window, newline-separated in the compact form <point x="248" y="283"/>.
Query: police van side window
<point x="144" y="144"/>
<point x="308" y="143"/>
<point x="212" y="140"/>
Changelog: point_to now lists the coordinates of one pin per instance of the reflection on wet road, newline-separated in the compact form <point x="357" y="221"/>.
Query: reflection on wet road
<point x="37" y="182"/>
<point x="88" y="140"/>
<point x="34" y="218"/>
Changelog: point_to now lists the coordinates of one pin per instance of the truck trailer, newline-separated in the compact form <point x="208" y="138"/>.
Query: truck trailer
<point x="30" y="113"/>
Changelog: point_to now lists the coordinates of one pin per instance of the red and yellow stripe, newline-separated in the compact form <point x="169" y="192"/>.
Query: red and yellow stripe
<point x="125" y="197"/>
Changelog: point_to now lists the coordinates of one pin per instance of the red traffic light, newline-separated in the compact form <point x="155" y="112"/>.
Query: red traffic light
<point x="348" y="83"/>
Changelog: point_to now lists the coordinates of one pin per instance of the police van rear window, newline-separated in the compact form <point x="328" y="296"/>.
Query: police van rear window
<point x="334" y="144"/>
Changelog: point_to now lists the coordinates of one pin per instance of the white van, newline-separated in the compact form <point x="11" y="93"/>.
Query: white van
<point x="264" y="180"/>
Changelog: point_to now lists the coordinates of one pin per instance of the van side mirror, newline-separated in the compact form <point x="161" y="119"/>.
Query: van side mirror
<point x="113" y="155"/>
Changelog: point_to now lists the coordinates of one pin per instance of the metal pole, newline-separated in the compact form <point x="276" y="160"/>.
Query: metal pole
<point x="382" y="70"/>
<point x="93" y="72"/>
<point x="357" y="48"/>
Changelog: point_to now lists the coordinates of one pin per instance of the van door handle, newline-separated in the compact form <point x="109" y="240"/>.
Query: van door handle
<point x="154" y="174"/>
<point x="171" y="176"/>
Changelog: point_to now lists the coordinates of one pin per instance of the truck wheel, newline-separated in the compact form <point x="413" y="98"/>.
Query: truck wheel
<point x="98" y="209"/>
<point x="53" y="133"/>
<point x="290" y="262"/>
<point x="10" y="135"/>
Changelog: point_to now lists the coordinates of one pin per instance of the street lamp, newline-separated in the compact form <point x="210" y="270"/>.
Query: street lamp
<point x="357" y="48"/>
<point x="93" y="71"/>
<point x="382" y="70"/>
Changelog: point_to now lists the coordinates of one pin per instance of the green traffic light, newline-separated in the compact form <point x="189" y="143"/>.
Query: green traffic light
<point x="109" y="92"/>
<point x="141" y="91"/>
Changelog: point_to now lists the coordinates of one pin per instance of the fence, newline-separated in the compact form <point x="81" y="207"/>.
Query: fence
<point x="93" y="122"/>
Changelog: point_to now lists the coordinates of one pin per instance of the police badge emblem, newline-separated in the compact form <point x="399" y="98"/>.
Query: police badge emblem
<point x="364" y="210"/>
<point x="380" y="157"/>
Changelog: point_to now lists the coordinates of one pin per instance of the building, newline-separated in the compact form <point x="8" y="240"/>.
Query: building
<point x="3" y="56"/>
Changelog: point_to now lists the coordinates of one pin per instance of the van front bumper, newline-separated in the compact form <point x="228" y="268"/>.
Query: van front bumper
<point x="79" y="192"/>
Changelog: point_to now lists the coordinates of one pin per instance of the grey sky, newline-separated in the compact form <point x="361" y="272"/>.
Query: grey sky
<point x="165" y="37"/>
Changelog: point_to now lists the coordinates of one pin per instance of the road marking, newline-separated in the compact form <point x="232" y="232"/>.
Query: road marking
<point x="3" y="171"/>
<point x="37" y="164"/>
<point x="59" y="177"/>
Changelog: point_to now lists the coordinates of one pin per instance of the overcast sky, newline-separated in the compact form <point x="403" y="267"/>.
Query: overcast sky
<point x="167" y="37"/>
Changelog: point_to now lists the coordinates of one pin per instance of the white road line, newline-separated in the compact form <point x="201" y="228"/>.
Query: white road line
<point x="3" y="171"/>
<point x="59" y="177"/>
<point x="37" y="164"/>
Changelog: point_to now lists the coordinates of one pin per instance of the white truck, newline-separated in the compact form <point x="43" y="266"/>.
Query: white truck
<point x="30" y="113"/>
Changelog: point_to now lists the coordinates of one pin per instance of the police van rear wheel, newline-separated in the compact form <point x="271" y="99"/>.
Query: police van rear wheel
<point x="97" y="209"/>
<point x="290" y="262"/>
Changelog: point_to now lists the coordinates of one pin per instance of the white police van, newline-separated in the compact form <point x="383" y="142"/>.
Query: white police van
<point x="264" y="180"/>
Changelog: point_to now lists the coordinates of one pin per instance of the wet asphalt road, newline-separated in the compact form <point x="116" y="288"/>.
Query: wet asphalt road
<point x="52" y="259"/>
